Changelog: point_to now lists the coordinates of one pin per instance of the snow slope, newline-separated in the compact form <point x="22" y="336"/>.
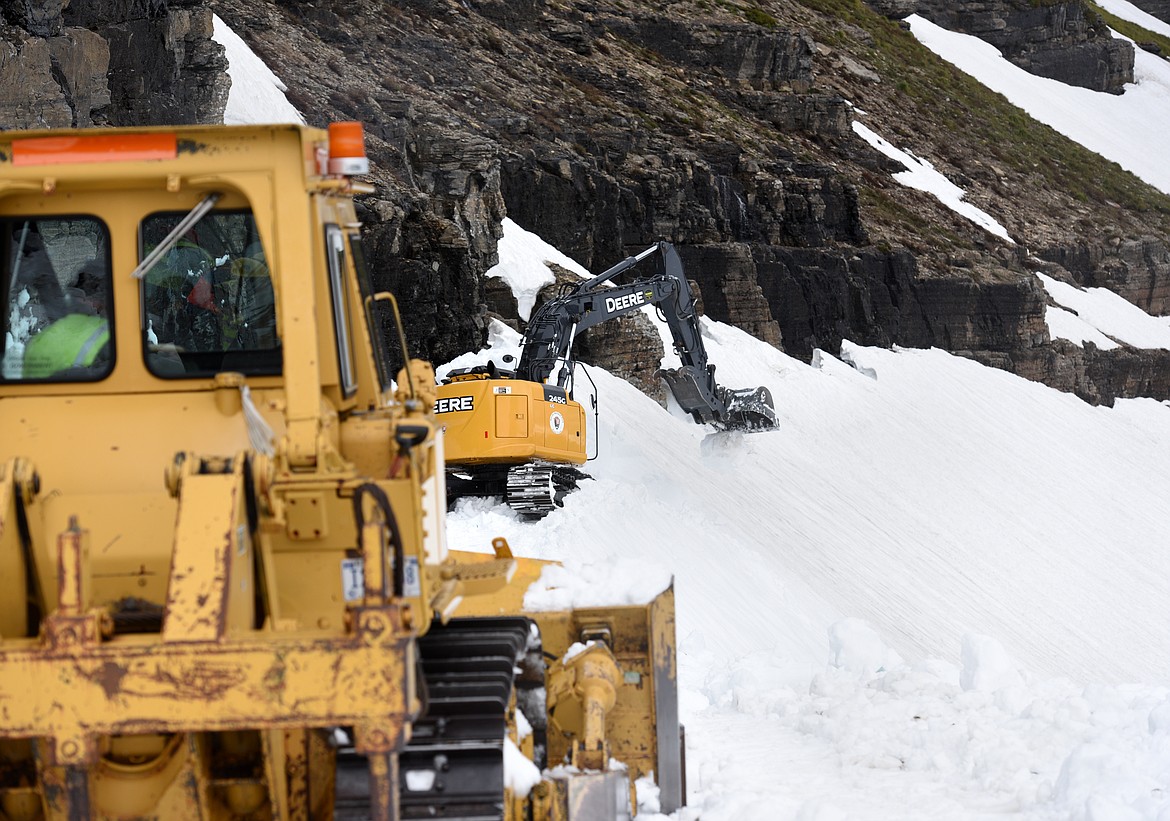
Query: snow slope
<point x="938" y="591"/>
<point x="1127" y="128"/>
<point x="933" y="591"/>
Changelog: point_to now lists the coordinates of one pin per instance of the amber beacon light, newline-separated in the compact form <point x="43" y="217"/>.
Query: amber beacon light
<point x="347" y="149"/>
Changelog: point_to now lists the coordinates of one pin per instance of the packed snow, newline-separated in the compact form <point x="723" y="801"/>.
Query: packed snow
<point x="1129" y="129"/>
<point x="938" y="591"/>
<point x="522" y="266"/>
<point x="923" y="176"/>
<point x="1101" y="316"/>
<point x="256" y="94"/>
<point x="1128" y="11"/>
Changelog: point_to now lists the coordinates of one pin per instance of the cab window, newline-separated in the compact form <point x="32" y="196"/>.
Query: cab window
<point x="55" y="291"/>
<point x="335" y="250"/>
<point x="209" y="302"/>
<point x="373" y="315"/>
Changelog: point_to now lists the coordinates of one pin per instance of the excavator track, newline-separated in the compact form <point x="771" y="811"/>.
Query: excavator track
<point x="453" y="767"/>
<point x="538" y="488"/>
<point x="533" y="489"/>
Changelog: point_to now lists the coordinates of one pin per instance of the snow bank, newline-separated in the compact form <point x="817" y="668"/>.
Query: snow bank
<point x="1101" y="316"/>
<point x="257" y="94"/>
<point x="523" y="265"/>
<point x="923" y="176"/>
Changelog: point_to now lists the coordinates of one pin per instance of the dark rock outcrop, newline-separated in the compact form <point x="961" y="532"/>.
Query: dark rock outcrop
<point x="1158" y="8"/>
<point x="748" y="54"/>
<point x="1064" y="41"/>
<point x="894" y="9"/>
<point x="164" y="66"/>
<point x="878" y="298"/>
<point x="110" y="62"/>
<point x="1095" y="375"/>
<point x="1137" y="269"/>
<point x="604" y="126"/>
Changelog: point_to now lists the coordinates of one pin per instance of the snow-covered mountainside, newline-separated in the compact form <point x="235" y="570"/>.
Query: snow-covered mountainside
<point x="930" y="593"/>
<point x="938" y="591"/>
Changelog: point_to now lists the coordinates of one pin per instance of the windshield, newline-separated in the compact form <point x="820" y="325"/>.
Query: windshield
<point x="55" y="287"/>
<point x="209" y="300"/>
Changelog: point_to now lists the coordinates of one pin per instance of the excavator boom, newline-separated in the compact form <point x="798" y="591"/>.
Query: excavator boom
<point x="549" y="338"/>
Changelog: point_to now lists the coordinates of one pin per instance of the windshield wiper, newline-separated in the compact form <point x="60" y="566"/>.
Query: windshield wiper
<point x="172" y="239"/>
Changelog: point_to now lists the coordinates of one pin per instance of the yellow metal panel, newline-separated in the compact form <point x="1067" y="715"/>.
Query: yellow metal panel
<point x="127" y="532"/>
<point x="480" y="417"/>
<point x="364" y="440"/>
<point x="511" y="417"/>
<point x="148" y="782"/>
<point x="211" y="586"/>
<point x="305" y="515"/>
<point x="13" y="608"/>
<point x="147" y="686"/>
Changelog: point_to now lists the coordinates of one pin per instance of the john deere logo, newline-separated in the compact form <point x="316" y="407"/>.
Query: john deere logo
<point x="623" y="302"/>
<point x="450" y="404"/>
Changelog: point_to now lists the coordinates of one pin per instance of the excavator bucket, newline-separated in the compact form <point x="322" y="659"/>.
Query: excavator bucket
<point x="750" y="410"/>
<point x="743" y="410"/>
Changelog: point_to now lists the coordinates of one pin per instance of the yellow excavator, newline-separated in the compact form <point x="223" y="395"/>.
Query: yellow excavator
<point x="227" y="588"/>
<point x="519" y="434"/>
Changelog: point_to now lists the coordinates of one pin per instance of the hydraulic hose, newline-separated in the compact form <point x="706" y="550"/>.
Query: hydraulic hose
<point x="383" y="502"/>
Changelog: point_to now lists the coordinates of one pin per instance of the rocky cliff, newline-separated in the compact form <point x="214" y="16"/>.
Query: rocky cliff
<point x="1158" y="8"/>
<point x="109" y="62"/>
<point x="1063" y="41"/>
<point x="722" y="127"/>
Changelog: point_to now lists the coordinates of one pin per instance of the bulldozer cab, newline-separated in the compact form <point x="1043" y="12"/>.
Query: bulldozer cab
<point x="56" y="273"/>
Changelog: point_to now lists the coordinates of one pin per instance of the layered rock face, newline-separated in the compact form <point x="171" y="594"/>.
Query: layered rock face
<point x="894" y="9"/>
<point x="1158" y="8"/>
<point x="605" y="126"/>
<point x="1138" y="269"/>
<point x="432" y="245"/>
<point x="164" y="66"/>
<point x="105" y="62"/>
<point x="1064" y="41"/>
<point x="51" y="76"/>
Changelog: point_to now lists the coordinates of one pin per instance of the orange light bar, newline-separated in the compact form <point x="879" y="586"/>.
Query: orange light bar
<point x="94" y="148"/>
<point x="347" y="149"/>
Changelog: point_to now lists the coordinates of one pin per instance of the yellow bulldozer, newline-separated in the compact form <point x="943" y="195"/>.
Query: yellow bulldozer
<point x="227" y="590"/>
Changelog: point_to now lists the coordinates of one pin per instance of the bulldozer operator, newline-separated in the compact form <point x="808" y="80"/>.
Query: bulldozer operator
<point x="73" y="338"/>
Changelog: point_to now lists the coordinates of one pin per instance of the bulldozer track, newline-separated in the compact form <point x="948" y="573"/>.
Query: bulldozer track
<point x="453" y="767"/>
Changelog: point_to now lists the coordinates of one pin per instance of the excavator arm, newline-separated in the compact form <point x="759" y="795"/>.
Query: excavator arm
<point x="549" y="340"/>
